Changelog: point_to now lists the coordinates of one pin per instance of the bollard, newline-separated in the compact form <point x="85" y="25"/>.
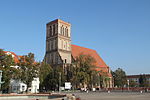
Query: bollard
<point x="108" y="91"/>
<point x="141" y="91"/>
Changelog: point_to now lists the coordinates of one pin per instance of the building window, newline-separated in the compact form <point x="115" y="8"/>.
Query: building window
<point x="54" y="29"/>
<point x="66" y="32"/>
<point x="50" y="31"/>
<point x="52" y="58"/>
<point x="63" y="31"/>
<point x="65" y="61"/>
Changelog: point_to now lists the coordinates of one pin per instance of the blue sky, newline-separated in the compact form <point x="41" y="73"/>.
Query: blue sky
<point x="119" y="30"/>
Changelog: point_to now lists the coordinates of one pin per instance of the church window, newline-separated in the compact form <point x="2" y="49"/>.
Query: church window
<point x="65" y="61"/>
<point x="63" y="31"/>
<point x="66" y="32"/>
<point x="54" y="29"/>
<point x="52" y="58"/>
<point x="50" y="31"/>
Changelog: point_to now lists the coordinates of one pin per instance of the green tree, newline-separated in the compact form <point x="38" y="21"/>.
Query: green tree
<point x="143" y="81"/>
<point x="84" y="71"/>
<point x="52" y="80"/>
<point x="44" y="71"/>
<point x="29" y="69"/>
<point x="9" y="72"/>
<point x="119" y="77"/>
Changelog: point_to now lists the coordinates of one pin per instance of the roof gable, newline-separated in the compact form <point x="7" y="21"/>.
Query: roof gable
<point x="77" y="50"/>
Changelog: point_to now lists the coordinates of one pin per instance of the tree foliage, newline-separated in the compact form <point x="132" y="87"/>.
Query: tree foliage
<point x="28" y="68"/>
<point x="119" y="77"/>
<point x="44" y="71"/>
<point x="50" y="77"/>
<point x="143" y="82"/>
<point x="6" y="63"/>
<point x="83" y="72"/>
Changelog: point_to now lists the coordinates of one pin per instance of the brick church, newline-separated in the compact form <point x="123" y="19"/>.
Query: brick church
<point x="60" y="51"/>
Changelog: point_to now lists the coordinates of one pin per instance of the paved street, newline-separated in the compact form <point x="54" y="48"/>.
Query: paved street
<point x="113" y="96"/>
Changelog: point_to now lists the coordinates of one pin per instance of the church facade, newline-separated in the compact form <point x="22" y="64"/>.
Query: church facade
<point x="60" y="51"/>
<point x="58" y="42"/>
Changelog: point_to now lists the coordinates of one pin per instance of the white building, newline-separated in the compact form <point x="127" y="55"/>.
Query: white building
<point x="17" y="86"/>
<point x="34" y="86"/>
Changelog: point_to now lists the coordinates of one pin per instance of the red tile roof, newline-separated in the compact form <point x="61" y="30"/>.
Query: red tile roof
<point x="15" y="57"/>
<point x="100" y="64"/>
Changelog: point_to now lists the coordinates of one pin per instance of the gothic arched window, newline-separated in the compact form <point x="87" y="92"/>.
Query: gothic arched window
<point x="50" y="31"/>
<point x="52" y="58"/>
<point x="66" y="32"/>
<point x="54" y="29"/>
<point x="63" y="31"/>
<point x="51" y="45"/>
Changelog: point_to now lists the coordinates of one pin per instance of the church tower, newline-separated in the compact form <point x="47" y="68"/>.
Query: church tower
<point x="58" y="42"/>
